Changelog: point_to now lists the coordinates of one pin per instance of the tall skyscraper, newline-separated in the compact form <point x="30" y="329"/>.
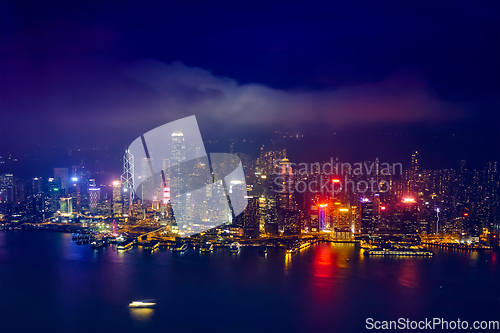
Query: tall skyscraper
<point x="409" y="216"/>
<point x="66" y="206"/>
<point x="413" y="175"/>
<point x="367" y="218"/>
<point x="286" y="182"/>
<point x="37" y="185"/>
<point x="61" y="176"/>
<point x="117" y="198"/>
<point x="323" y="216"/>
<point x="7" y="188"/>
<point x="128" y="182"/>
<point x="128" y="172"/>
<point x="177" y="176"/>
<point x="249" y="219"/>
<point x="94" y="197"/>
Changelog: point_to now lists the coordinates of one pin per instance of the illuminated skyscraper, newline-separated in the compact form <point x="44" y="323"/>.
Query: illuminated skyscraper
<point x="37" y="185"/>
<point x="128" y="181"/>
<point x="7" y="188"/>
<point x="323" y="216"/>
<point x="249" y="219"/>
<point x="178" y="177"/>
<point x="61" y="176"/>
<point x="413" y="175"/>
<point x="66" y="206"/>
<point x="117" y="198"/>
<point x="128" y="173"/>
<point x="286" y="184"/>
<point x="94" y="197"/>
<point x="367" y="217"/>
<point x="409" y="216"/>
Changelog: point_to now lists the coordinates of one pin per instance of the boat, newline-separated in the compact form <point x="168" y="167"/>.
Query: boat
<point x="180" y="248"/>
<point x="125" y="246"/>
<point x="207" y="247"/>
<point x="147" y="303"/>
<point x="98" y="244"/>
<point x="234" y="247"/>
<point x="398" y="252"/>
<point x="304" y="245"/>
<point x="293" y="247"/>
<point x="263" y="248"/>
<point x="151" y="246"/>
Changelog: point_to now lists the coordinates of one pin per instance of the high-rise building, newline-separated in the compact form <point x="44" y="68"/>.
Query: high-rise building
<point x="413" y="174"/>
<point x="367" y="218"/>
<point x="178" y="176"/>
<point x="128" y="173"/>
<point x="7" y="188"/>
<point x="37" y="185"/>
<point x="344" y="229"/>
<point x="271" y="214"/>
<point x="117" y="198"/>
<point x="409" y="216"/>
<point x="66" y="206"/>
<point x="94" y="197"/>
<point x="128" y="182"/>
<point x="286" y="185"/>
<point x="323" y="216"/>
<point x="249" y="219"/>
<point x="239" y="189"/>
<point x="75" y="191"/>
<point x="61" y="175"/>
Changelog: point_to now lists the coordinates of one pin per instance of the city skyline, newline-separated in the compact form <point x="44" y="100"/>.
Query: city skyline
<point x="432" y="88"/>
<point x="249" y="166"/>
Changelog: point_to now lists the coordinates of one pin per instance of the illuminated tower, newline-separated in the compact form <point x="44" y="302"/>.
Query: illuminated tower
<point x="367" y="217"/>
<point x="128" y="172"/>
<point x="286" y="181"/>
<point x="413" y="174"/>
<point x="61" y="174"/>
<point x="94" y="198"/>
<point x="323" y="217"/>
<point x="117" y="198"/>
<point x="66" y="206"/>
<point x="7" y="188"/>
<point x="178" y="178"/>
<point x="128" y="181"/>
<point x="409" y="216"/>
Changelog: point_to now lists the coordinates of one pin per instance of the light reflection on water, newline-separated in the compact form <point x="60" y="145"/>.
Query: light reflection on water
<point x="141" y="315"/>
<point x="327" y="287"/>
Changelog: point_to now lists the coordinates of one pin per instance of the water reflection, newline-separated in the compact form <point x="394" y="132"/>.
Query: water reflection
<point x="323" y="271"/>
<point x="408" y="274"/>
<point x="288" y="261"/>
<point x="142" y="315"/>
<point x="323" y="262"/>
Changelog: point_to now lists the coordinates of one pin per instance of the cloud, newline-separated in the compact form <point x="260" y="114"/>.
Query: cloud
<point x="402" y="98"/>
<point x="88" y="101"/>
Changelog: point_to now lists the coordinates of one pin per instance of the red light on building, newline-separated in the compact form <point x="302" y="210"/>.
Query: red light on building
<point x="335" y="180"/>
<point x="408" y="200"/>
<point x="382" y="207"/>
<point x="466" y="214"/>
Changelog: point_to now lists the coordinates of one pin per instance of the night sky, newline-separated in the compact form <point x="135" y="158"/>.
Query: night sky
<point x="90" y="73"/>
